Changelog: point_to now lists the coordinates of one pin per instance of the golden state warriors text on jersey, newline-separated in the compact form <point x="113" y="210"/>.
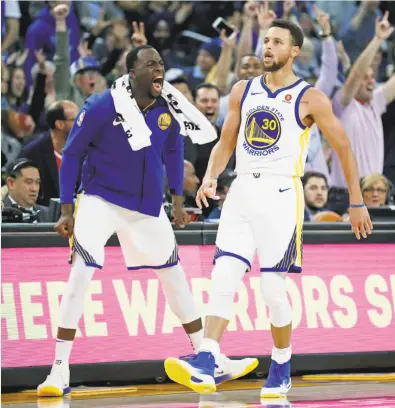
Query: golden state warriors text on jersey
<point x="272" y="139"/>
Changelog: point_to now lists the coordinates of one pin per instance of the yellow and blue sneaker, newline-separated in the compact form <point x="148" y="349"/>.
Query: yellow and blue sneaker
<point x="225" y="369"/>
<point x="195" y="372"/>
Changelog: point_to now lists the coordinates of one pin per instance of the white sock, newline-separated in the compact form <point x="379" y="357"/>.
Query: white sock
<point x="196" y="339"/>
<point x="281" y="356"/>
<point x="210" y="345"/>
<point x="62" y="353"/>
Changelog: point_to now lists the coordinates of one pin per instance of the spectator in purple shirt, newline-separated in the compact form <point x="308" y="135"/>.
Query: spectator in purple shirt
<point x="41" y="35"/>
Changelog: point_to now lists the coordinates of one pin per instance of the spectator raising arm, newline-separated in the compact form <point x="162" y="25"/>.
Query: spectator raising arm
<point x="265" y="19"/>
<point x="364" y="61"/>
<point x="12" y="34"/>
<point x="12" y="14"/>
<point x="343" y="57"/>
<point x="37" y="103"/>
<point x="359" y="16"/>
<point x="328" y="73"/>
<point x="245" y="44"/>
<point x="224" y="63"/>
<point x="289" y="8"/>
<point x="62" y="55"/>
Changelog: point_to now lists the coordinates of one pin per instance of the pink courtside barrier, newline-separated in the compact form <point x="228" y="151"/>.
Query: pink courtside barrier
<point x="344" y="301"/>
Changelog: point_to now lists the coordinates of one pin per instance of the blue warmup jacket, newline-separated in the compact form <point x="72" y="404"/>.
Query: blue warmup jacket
<point x="111" y="169"/>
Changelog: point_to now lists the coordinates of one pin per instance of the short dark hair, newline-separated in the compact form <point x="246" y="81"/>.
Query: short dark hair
<point x="204" y="85"/>
<point x="14" y="168"/>
<point x="132" y="56"/>
<point x="296" y="32"/>
<point x="311" y="174"/>
<point x="54" y="112"/>
<point x="179" y="80"/>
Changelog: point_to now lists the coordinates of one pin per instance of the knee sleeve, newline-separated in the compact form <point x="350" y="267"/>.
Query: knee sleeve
<point x="72" y="304"/>
<point x="178" y="294"/>
<point x="227" y="274"/>
<point x="274" y="293"/>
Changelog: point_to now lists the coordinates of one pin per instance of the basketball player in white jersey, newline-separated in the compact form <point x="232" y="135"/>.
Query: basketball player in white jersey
<point x="268" y="123"/>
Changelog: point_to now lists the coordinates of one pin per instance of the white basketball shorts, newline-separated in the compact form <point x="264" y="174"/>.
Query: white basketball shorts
<point x="263" y="214"/>
<point x="146" y="241"/>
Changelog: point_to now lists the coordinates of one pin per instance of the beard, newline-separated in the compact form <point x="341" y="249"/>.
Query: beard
<point x="275" y="66"/>
<point x="313" y="208"/>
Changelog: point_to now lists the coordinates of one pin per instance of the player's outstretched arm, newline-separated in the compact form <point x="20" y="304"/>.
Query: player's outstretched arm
<point x="319" y="108"/>
<point x="223" y="150"/>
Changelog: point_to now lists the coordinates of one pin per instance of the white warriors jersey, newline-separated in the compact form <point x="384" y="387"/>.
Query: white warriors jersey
<point x="272" y="139"/>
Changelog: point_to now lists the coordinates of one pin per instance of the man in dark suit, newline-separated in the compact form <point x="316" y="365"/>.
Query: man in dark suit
<point x="46" y="150"/>
<point x="20" y="205"/>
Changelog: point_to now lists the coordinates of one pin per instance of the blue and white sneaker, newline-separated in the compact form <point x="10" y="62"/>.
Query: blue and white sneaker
<point x="56" y="384"/>
<point x="197" y="373"/>
<point x="227" y="369"/>
<point x="278" y="382"/>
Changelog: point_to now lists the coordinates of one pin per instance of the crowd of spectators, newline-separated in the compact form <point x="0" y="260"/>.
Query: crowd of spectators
<point x="54" y="58"/>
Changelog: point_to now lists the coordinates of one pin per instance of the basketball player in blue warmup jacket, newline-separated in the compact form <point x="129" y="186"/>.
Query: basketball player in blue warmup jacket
<point x="121" y="191"/>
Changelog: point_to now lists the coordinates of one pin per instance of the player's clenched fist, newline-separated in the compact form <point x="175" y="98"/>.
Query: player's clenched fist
<point x="360" y="221"/>
<point x="65" y="226"/>
<point x="207" y="189"/>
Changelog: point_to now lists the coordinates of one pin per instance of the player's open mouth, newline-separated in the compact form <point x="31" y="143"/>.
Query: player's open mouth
<point x="268" y="57"/>
<point x="157" y="84"/>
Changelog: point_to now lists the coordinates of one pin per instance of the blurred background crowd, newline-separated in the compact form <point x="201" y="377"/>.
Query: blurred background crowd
<point x="52" y="60"/>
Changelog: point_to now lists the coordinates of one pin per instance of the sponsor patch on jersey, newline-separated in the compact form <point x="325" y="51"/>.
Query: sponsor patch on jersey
<point x="262" y="132"/>
<point x="81" y="118"/>
<point x="164" y="121"/>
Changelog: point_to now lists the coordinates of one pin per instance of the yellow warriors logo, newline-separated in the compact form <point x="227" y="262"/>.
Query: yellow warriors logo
<point x="164" y="121"/>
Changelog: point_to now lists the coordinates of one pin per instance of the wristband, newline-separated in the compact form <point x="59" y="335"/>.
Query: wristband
<point x="357" y="205"/>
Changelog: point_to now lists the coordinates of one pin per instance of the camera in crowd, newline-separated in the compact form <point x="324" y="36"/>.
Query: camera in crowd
<point x="18" y="214"/>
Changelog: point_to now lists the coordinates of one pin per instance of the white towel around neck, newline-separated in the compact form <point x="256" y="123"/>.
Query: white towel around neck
<point x="192" y="122"/>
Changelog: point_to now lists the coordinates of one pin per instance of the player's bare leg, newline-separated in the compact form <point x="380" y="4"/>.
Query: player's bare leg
<point x="214" y="327"/>
<point x="193" y="327"/>
<point x="66" y="334"/>
<point x="281" y="336"/>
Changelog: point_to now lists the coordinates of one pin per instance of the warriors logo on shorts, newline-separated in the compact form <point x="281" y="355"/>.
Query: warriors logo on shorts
<point x="164" y="121"/>
<point x="262" y="130"/>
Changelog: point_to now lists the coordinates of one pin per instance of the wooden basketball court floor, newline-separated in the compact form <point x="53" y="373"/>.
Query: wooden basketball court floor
<point x="318" y="393"/>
